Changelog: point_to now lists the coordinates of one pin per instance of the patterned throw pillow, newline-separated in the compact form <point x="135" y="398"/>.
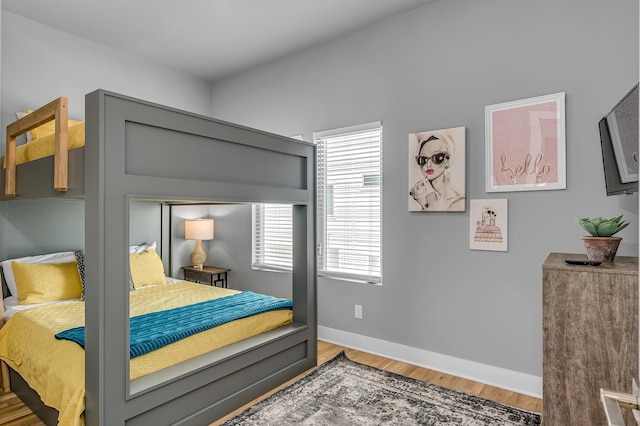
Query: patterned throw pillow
<point x="79" y="254"/>
<point x="131" y="286"/>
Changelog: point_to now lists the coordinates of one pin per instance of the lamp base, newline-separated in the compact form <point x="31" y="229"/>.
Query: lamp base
<point x="198" y="256"/>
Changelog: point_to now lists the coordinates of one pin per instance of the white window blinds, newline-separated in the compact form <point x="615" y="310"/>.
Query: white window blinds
<point x="350" y="202"/>
<point x="271" y="239"/>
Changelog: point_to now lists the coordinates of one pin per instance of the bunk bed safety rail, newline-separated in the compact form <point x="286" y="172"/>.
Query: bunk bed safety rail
<point x="55" y="110"/>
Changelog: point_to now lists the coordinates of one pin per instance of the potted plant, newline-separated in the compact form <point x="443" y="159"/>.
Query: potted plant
<point x="601" y="245"/>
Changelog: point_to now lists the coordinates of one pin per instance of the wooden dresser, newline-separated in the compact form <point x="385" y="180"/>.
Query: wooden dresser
<point x="590" y="336"/>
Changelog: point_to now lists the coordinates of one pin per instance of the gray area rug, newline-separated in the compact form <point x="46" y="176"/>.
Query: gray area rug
<point x="344" y="392"/>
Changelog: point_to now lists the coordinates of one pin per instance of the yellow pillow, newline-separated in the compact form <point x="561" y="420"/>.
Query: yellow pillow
<point x="46" y="282"/>
<point x="146" y="268"/>
<point x="47" y="128"/>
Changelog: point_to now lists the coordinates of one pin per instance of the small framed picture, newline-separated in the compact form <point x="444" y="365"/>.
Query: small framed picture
<point x="437" y="170"/>
<point x="488" y="228"/>
<point x="525" y="144"/>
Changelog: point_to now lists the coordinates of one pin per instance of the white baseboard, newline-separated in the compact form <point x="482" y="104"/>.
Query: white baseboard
<point x="514" y="381"/>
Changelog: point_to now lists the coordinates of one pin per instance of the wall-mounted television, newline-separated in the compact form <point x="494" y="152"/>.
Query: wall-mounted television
<point x="619" y="141"/>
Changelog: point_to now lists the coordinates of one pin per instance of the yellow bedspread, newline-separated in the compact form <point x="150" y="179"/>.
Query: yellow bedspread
<point x="55" y="368"/>
<point x="44" y="146"/>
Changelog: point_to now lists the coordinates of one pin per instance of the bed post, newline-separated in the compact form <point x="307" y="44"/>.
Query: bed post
<point x="61" y="153"/>
<point x="5" y="383"/>
<point x="10" y="172"/>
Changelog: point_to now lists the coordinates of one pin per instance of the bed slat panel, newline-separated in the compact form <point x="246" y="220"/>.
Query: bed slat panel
<point x="34" y="178"/>
<point x="151" y="151"/>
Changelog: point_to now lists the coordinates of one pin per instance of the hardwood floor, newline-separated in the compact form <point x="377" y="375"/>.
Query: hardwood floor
<point x="14" y="413"/>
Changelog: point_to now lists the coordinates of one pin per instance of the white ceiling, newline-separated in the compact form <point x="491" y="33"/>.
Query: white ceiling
<point x="210" y="39"/>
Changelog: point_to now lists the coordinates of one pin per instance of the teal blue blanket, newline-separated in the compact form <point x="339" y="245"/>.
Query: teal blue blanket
<point x="154" y="330"/>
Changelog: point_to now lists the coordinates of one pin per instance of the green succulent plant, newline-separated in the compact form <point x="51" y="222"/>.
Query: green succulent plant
<point x="601" y="227"/>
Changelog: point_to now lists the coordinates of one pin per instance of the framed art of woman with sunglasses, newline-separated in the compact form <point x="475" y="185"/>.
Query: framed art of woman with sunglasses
<point x="439" y="157"/>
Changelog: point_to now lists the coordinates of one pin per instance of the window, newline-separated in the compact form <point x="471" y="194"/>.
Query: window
<point x="350" y="202"/>
<point x="271" y="240"/>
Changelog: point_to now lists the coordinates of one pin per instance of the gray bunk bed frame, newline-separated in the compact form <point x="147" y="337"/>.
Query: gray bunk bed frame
<point x="140" y="151"/>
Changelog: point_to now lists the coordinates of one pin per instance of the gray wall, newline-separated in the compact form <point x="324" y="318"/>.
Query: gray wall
<point x="182" y="248"/>
<point x="437" y="67"/>
<point x="145" y="223"/>
<point x="39" y="64"/>
<point x="230" y="248"/>
<point x="37" y="227"/>
<point x="46" y="226"/>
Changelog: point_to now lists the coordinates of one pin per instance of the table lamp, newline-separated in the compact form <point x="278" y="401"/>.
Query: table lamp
<point x="198" y="229"/>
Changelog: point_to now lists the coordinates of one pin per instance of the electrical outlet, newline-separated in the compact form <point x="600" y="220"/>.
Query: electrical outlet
<point x="358" y="312"/>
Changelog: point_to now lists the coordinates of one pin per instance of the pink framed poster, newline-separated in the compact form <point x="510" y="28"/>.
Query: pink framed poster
<point x="488" y="222"/>
<point x="525" y="144"/>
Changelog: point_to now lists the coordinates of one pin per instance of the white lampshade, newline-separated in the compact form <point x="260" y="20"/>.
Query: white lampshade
<point x="198" y="229"/>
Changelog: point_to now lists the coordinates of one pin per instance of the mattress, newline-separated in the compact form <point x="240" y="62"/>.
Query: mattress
<point x="55" y="368"/>
<point x="45" y="146"/>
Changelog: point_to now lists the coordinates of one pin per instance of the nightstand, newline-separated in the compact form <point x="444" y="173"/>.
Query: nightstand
<point x="207" y="275"/>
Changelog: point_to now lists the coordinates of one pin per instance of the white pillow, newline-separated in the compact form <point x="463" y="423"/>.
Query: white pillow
<point x="139" y="249"/>
<point x="61" y="257"/>
<point x="29" y="135"/>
